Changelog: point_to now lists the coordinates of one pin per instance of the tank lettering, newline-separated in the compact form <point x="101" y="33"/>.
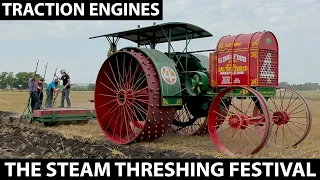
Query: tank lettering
<point x="235" y="69"/>
<point x="236" y="58"/>
<point x="236" y="44"/>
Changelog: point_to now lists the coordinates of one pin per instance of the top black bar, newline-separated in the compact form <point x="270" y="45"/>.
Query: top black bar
<point x="82" y="10"/>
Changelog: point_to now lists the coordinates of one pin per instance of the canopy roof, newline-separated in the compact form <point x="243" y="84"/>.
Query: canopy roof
<point x="159" y="33"/>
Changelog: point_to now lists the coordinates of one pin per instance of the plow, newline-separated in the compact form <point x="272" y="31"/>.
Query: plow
<point x="232" y="94"/>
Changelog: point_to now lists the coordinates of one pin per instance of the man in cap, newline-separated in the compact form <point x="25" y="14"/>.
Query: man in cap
<point x="33" y="89"/>
<point x="40" y="90"/>
<point x="52" y="87"/>
<point x="66" y="88"/>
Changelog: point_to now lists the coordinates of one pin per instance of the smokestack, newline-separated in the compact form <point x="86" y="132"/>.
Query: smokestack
<point x="154" y="23"/>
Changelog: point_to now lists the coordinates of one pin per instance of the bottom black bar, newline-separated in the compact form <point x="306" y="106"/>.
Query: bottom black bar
<point x="100" y="169"/>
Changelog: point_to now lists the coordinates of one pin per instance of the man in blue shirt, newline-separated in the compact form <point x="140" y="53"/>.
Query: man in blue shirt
<point x="52" y="87"/>
<point x="33" y="89"/>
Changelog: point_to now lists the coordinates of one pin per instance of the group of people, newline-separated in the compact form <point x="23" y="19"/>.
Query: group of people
<point x="36" y="91"/>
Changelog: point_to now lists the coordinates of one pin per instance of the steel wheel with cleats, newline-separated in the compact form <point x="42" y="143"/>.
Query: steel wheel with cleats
<point x="127" y="99"/>
<point x="231" y="123"/>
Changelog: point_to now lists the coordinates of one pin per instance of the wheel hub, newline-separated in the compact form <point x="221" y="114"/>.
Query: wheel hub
<point x="125" y="96"/>
<point x="238" y="121"/>
<point x="281" y="117"/>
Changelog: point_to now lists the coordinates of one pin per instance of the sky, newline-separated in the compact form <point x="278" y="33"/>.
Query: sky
<point x="66" y="44"/>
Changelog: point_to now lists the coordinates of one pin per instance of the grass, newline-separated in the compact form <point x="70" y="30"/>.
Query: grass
<point x="309" y="148"/>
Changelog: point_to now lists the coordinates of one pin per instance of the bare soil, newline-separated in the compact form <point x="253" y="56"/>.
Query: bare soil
<point x="19" y="140"/>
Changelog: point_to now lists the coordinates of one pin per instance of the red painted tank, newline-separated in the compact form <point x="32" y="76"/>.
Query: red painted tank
<point x="252" y="59"/>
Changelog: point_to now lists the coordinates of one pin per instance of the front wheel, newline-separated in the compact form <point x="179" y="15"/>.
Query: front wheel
<point x="232" y="126"/>
<point x="291" y="118"/>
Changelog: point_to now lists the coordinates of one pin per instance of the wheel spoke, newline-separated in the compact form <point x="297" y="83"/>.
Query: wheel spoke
<point x="112" y="90"/>
<point x="114" y="76"/>
<point x="115" y="88"/>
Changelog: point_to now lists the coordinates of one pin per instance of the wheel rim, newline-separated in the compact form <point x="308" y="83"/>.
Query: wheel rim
<point x="127" y="99"/>
<point x="291" y="118"/>
<point x="232" y="128"/>
<point x="186" y="123"/>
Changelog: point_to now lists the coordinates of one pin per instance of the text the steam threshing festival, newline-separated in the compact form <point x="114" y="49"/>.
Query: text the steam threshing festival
<point x="159" y="90"/>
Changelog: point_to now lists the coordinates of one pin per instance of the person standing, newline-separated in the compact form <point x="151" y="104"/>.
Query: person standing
<point x="66" y="88"/>
<point x="51" y="88"/>
<point x="40" y="90"/>
<point x="33" y="89"/>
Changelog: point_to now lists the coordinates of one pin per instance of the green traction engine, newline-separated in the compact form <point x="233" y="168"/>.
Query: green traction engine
<point x="231" y="93"/>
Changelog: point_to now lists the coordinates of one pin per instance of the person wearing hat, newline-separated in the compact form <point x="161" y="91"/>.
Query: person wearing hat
<point x="40" y="90"/>
<point x="52" y="87"/>
<point x="66" y="88"/>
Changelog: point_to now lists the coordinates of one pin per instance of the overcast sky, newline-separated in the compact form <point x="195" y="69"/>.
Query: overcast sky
<point x="65" y="43"/>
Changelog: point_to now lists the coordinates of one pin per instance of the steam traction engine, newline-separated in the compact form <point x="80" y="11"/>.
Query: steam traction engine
<point x="232" y="94"/>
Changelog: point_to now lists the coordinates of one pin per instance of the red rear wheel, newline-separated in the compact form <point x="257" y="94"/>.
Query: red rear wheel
<point x="127" y="99"/>
<point x="231" y="123"/>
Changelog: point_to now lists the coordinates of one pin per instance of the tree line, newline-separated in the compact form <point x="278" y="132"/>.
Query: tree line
<point x="9" y="80"/>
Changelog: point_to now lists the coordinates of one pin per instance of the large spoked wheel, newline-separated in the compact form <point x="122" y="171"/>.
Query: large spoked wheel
<point x="191" y="119"/>
<point x="127" y="99"/>
<point x="232" y="125"/>
<point x="291" y="117"/>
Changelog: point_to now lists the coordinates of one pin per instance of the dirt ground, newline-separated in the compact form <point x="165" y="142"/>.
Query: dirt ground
<point x="19" y="140"/>
<point x="88" y="141"/>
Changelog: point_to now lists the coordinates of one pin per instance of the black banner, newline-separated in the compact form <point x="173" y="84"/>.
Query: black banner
<point x="81" y="10"/>
<point x="225" y="168"/>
